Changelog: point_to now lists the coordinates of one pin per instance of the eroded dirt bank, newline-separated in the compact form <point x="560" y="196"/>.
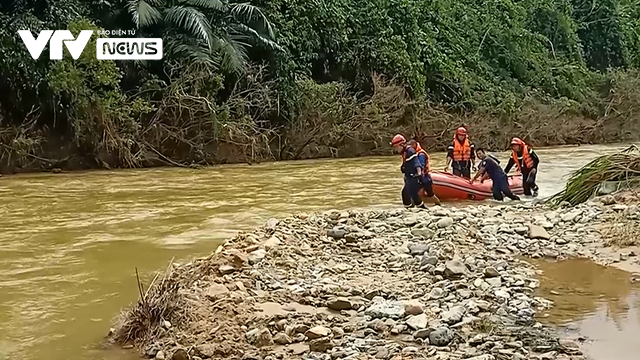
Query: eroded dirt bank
<point x="447" y="283"/>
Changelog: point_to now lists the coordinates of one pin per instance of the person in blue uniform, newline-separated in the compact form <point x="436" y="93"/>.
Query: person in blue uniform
<point x="412" y="169"/>
<point x="490" y="167"/>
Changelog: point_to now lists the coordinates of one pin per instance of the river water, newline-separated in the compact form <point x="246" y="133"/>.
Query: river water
<point x="70" y="243"/>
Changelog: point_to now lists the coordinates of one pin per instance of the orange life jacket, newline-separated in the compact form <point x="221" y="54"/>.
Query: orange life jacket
<point x="419" y="149"/>
<point x="461" y="152"/>
<point x="526" y="159"/>
<point x="427" y="162"/>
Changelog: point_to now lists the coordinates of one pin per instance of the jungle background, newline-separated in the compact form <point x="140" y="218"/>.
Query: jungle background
<point x="293" y="79"/>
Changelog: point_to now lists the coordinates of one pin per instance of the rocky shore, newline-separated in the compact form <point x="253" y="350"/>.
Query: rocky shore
<point x="444" y="283"/>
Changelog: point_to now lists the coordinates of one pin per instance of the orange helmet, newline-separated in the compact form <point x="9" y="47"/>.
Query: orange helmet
<point x="461" y="131"/>
<point x="517" y="141"/>
<point x="398" y="140"/>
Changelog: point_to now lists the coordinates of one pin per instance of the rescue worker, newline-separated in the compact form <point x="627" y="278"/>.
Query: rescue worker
<point x="526" y="161"/>
<point x="489" y="167"/>
<point x="425" y="179"/>
<point x="412" y="170"/>
<point x="461" y="155"/>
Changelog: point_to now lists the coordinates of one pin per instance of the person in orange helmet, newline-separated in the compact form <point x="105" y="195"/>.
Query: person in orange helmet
<point x="412" y="170"/>
<point x="461" y="156"/>
<point x="526" y="161"/>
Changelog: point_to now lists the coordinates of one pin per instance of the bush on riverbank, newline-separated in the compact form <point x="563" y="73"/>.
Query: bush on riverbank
<point x="317" y="81"/>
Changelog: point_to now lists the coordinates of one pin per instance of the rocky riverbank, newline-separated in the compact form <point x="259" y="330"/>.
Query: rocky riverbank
<point x="445" y="283"/>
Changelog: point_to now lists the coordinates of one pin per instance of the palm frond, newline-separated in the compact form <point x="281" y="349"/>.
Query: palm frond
<point x="192" y="20"/>
<point x="144" y="12"/>
<point x="252" y="15"/>
<point x="208" y="4"/>
<point x="196" y="54"/>
<point x="622" y="168"/>
<point x="244" y="32"/>
<point x="233" y="55"/>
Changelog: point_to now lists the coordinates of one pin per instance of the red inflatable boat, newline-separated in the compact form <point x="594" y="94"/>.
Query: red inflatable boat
<point x="449" y="187"/>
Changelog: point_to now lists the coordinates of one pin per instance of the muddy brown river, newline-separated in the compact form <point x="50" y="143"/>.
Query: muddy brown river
<point x="70" y="243"/>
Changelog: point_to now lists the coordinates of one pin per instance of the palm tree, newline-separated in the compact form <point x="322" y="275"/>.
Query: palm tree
<point x="207" y="31"/>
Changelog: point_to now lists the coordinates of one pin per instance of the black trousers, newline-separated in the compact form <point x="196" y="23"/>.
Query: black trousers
<point x="427" y="184"/>
<point x="462" y="168"/>
<point x="529" y="182"/>
<point x="411" y="191"/>
<point x="500" y="187"/>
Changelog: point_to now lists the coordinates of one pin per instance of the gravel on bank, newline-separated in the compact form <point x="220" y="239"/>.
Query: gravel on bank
<point x="443" y="283"/>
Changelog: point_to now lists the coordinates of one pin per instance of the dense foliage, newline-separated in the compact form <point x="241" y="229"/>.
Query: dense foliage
<point x="253" y="72"/>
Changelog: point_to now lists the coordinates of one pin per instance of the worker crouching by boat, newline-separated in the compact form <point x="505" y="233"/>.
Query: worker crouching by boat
<point x="526" y="161"/>
<point x="461" y="155"/>
<point x="490" y="167"/>
<point x="425" y="163"/>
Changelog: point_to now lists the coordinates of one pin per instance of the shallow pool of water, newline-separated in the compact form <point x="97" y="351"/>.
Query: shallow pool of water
<point x="597" y="302"/>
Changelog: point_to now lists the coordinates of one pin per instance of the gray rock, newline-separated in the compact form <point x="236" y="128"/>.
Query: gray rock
<point x="339" y="304"/>
<point x="281" y="339"/>
<point x="424" y="233"/>
<point x="321" y="345"/>
<point x="260" y="337"/>
<point x="272" y="242"/>
<point x="317" y="332"/>
<point x="226" y="269"/>
<point x="386" y="309"/>
<point x="455" y="269"/>
<point x="538" y="232"/>
<point x="209" y="350"/>
<point x="491" y="272"/>
<point x="441" y="336"/>
<point x="160" y="355"/>
<point x="382" y="353"/>
<point x="454" y="315"/>
<point x="418" y="248"/>
<point x="428" y="260"/>
<point x="571" y="216"/>
<point x="436" y="293"/>
<point x="410" y="350"/>
<point x="256" y="256"/>
<point x="413" y="307"/>
<point x="272" y="224"/>
<point x="521" y="230"/>
<point x="301" y="328"/>
<point x="502" y="294"/>
<point x="445" y="222"/>
<point x="217" y="291"/>
<point x="422" y="333"/>
<point x="336" y="233"/>
<point x="494" y="282"/>
<point x="418" y="322"/>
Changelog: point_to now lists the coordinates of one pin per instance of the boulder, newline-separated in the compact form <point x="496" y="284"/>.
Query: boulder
<point x="538" y="232"/>
<point x="217" y="291"/>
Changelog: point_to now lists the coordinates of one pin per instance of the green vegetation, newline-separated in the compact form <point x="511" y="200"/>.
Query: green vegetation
<point x="621" y="169"/>
<point x="288" y="79"/>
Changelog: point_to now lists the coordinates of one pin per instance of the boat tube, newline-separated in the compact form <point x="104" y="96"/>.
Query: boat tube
<point x="450" y="187"/>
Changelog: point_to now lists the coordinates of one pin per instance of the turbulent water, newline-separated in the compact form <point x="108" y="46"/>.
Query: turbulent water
<point x="70" y="243"/>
